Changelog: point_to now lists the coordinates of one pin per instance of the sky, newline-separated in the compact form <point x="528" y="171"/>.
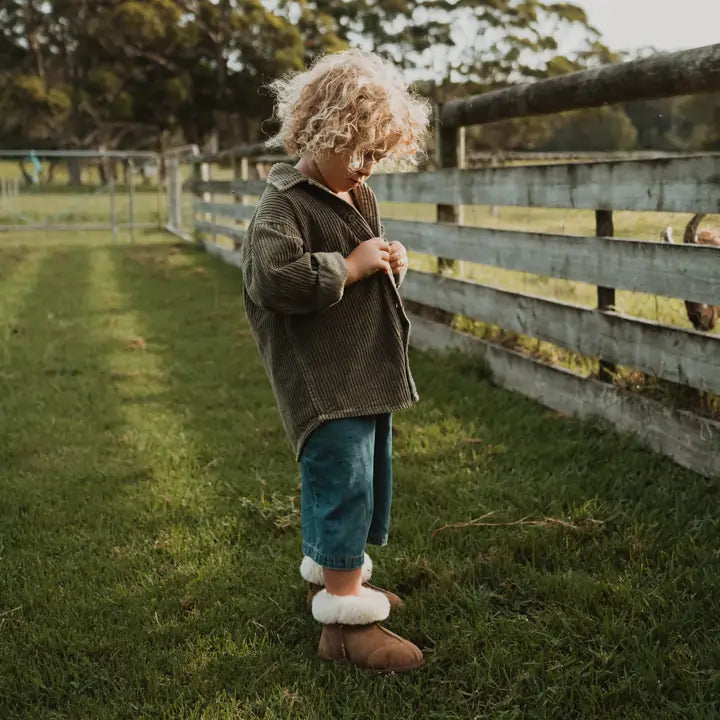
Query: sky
<point x="663" y="24"/>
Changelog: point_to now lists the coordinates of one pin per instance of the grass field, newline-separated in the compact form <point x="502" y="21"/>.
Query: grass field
<point x="149" y="530"/>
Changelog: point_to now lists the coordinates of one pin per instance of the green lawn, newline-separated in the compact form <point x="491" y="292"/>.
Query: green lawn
<point x="149" y="534"/>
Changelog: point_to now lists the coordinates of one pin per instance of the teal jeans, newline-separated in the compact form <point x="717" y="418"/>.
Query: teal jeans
<point x="346" y="468"/>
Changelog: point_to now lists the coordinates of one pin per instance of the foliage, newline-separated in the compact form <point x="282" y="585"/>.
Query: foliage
<point x="123" y="73"/>
<point x="605" y="128"/>
<point x="150" y="73"/>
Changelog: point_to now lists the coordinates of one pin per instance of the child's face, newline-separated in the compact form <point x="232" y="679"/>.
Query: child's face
<point x="342" y="175"/>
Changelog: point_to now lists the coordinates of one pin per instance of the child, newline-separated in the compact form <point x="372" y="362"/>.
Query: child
<point x="321" y="296"/>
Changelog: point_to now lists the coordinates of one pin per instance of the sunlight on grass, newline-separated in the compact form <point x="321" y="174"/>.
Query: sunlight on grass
<point x="149" y="535"/>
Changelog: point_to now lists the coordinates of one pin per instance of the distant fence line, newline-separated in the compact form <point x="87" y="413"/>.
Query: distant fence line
<point x="654" y="183"/>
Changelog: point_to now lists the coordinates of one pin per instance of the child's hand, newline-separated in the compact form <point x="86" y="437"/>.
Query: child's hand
<point x="368" y="258"/>
<point x="398" y="257"/>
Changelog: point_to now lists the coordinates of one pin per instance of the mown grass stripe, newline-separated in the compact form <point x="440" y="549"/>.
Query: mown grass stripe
<point x="149" y="535"/>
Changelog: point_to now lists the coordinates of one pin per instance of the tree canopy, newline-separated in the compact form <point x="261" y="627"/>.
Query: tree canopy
<point x="149" y="73"/>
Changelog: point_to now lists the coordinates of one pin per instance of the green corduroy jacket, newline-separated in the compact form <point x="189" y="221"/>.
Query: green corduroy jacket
<point x="330" y="351"/>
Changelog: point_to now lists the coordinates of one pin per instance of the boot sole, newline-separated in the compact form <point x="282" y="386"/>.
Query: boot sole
<point x="378" y="671"/>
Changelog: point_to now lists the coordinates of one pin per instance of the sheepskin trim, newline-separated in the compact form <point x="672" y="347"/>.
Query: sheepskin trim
<point x="367" y="568"/>
<point x="368" y="607"/>
<point x="313" y="573"/>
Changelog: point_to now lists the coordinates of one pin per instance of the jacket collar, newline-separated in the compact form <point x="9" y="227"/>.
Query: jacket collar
<point x="283" y="176"/>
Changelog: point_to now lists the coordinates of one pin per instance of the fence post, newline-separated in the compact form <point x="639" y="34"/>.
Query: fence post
<point x="605" y="295"/>
<point x="201" y="173"/>
<point x="113" y="218"/>
<point x="243" y="199"/>
<point x="197" y="177"/>
<point x="210" y="197"/>
<point x="158" y="194"/>
<point x="131" y="183"/>
<point x="172" y="179"/>
<point x="450" y="153"/>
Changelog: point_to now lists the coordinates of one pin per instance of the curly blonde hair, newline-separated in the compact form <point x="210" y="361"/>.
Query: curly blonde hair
<point x="351" y="102"/>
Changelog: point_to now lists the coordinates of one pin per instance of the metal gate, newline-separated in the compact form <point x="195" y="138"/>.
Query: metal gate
<point x="81" y="190"/>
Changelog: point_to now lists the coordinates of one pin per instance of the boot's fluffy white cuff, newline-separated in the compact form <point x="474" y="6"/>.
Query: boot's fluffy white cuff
<point x="368" y="607"/>
<point x="313" y="573"/>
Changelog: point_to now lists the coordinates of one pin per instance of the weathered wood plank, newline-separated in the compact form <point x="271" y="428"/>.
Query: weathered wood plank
<point x="259" y="152"/>
<point x="529" y="157"/>
<point x="228" y="187"/>
<point x="690" y="440"/>
<point x="232" y="257"/>
<point x="680" y="73"/>
<point x="213" y="229"/>
<point x="238" y="212"/>
<point x="681" y="356"/>
<point x="604" y="227"/>
<point x="685" y="271"/>
<point x="689" y="184"/>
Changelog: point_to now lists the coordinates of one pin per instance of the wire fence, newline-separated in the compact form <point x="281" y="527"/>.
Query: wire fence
<point x="123" y="192"/>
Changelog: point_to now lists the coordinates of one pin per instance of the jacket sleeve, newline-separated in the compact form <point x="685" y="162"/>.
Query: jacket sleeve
<point x="281" y="276"/>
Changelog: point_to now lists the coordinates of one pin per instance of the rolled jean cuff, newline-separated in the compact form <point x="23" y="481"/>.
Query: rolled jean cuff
<point x="351" y="562"/>
<point x="380" y="540"/>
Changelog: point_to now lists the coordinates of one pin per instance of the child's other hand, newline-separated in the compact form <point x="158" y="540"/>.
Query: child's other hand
<point x="367" y="258"/>
<point x="398" y="257"/>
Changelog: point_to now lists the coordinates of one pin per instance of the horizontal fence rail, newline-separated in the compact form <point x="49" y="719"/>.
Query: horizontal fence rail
<point x="238" y="212"/>
<point x="116" y="154"/>
<point x="231" y="257"/>
<point x="681" y="356"/>
<point x="227" y="187"/>
<point x="235" y="233"/>
<point x="530" y="157"/>
<point x="641" y="182"/>
<point x="690" y="272"/>
<point x="260" y="152"/>
<point x="690" y="440"/>
<point x="679" y="185"/>
<point x="681" y="73"/>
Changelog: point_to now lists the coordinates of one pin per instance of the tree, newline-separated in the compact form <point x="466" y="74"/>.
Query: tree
<point x="598" y="129"/>
<point x="143" y="73"/>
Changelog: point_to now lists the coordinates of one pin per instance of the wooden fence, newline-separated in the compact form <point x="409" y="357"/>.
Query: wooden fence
<point x="669" y="184"/>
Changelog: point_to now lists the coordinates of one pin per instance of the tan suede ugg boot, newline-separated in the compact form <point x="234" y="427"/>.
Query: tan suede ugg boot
<point x="312" y="572"/>
<point x="352" y="633"/>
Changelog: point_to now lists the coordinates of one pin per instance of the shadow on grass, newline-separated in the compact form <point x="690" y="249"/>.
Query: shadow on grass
<point x="469" y="448"/>
<point x="108" y="574"/>
<point x="167" y="581"/>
